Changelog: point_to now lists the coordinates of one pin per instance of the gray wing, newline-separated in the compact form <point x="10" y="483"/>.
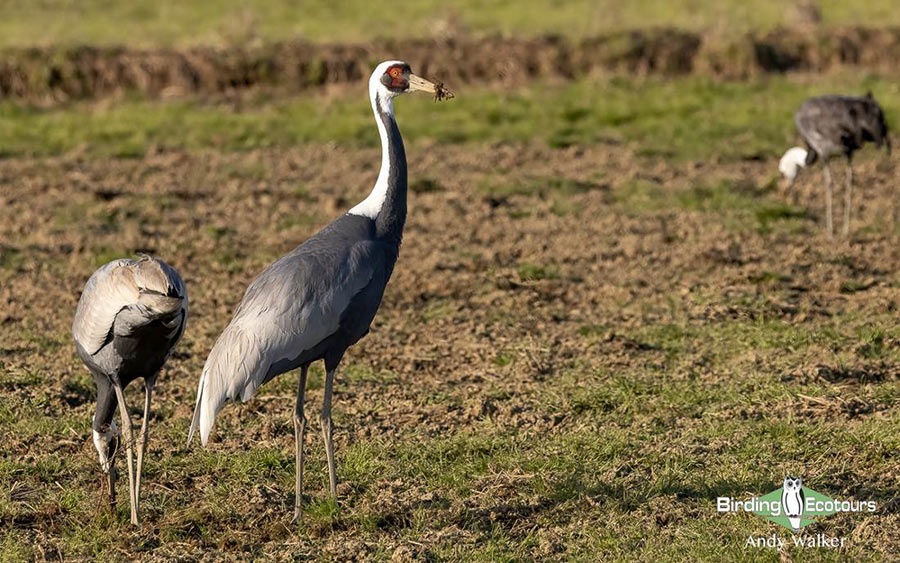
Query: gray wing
<point x="835" y="124"/>
<point x="290" y="308"/>
<point x="823" y="124"/>
<point x="124" y="295"/>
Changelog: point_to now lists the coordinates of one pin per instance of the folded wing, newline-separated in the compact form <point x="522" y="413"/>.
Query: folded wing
<point x="124" y="295"/>
<point x="291" y="307"/>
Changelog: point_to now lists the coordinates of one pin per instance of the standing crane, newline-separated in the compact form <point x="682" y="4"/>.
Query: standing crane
<point x="129" y="317"/>
<point x="320" y="298"/>
<point x="835" y="125"/>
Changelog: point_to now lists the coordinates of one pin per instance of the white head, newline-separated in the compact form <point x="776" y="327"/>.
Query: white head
<point x="103" y="444"/>
<point x="393" y="78"/>
<point x="791" y="163"/>
<point x="389" y="80"/>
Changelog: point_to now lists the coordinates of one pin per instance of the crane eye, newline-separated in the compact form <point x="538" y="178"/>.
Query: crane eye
<point x="394" y="72"/>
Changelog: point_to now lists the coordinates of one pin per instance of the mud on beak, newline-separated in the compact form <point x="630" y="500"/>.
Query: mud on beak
<point x="419" y="84"/>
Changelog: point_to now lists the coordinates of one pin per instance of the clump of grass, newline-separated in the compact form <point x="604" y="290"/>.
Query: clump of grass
<point x="536" y="272"/>
<point x="296" y="220"/>
<point x="855" y="285"/>
<point x="540" y="186"/>
<point x="591" y="330"/>
<point x="739" y="205"/>
<point x="502" y="360"/>
<point x="770" y="277"/>
<point x="426" y="185"/>
<point x="725" y="196"/>
<point x="438" y="309"/>
<point x="874" y="344"/>
<point x="773" y="212"/>
<point x="219" y="232"/>
<point x="247" y="172"/>
<point x="11" y="258"/>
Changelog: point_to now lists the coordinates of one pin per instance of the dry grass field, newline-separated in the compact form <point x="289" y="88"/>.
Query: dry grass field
<point x="575" y="361"/>
<point x="606" y="314"/>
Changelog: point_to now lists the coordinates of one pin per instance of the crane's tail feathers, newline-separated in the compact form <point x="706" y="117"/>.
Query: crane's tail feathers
<point x="207" y="405"/>
<point x="233" y="370"/>
<point x="195" y="421"/>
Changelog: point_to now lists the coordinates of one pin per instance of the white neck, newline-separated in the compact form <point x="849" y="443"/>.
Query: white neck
<point x="381" y="105"/>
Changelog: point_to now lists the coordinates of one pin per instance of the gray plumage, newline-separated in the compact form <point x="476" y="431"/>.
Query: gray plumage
<point x="840" y="125"/>
<point x="129" y="317"/>
<point x="311" y="304"/>
<point x="319" y="299"/>
<point x="834" y="126"/>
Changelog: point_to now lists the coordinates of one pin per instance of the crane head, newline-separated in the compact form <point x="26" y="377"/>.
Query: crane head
<point x="885" y="135"/>
<point x="874" y="124"/>
<point x="790" y="164"/>
<point x="393" y="78"/>
<point x="106" y="442"/>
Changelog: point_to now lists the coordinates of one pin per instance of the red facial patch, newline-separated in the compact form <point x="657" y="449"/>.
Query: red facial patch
<point x="396" y="75"/>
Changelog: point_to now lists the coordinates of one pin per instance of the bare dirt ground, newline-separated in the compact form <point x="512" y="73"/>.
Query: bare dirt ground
<point x="525" y="271"/>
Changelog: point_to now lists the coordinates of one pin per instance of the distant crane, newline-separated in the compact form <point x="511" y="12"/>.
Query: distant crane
<point x="129" y="317"/>
<point x="320" y="298"/>
<point x="835" y="125"/>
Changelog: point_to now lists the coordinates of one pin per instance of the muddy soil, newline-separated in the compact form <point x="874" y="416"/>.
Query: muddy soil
<point x="487" y="268"/>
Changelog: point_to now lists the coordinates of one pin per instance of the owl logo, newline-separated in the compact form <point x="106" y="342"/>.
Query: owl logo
<point x="792" y="501"/>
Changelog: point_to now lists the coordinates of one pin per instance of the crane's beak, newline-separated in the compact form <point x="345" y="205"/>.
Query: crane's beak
<point x="786" y="185"/>
<point x="419" y="84"/>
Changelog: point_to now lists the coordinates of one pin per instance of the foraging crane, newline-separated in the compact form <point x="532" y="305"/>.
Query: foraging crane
<point x="835" y="125"/>
<point x="129" y="317"/>
<point x="320" y="298"/>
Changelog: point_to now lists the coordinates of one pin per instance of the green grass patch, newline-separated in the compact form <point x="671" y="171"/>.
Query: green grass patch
<point x="685" y="118"/>
<point x="536" y="272"/>
<point x="736" y="204"/>
<point x="636" y="449"/>
<point x="167" y="22"/>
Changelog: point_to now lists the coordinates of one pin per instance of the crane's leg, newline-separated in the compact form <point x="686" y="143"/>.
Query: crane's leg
<point x="299" y="434"/>
<point x="328" y="430"/>
<point x="129" y="441"/>
<point x="142" y="444"/>
<point x="829" y="191"/>
<point x="105" y="409"/>
<point x="111" y="474"/>
<point x="848" y="198"/>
